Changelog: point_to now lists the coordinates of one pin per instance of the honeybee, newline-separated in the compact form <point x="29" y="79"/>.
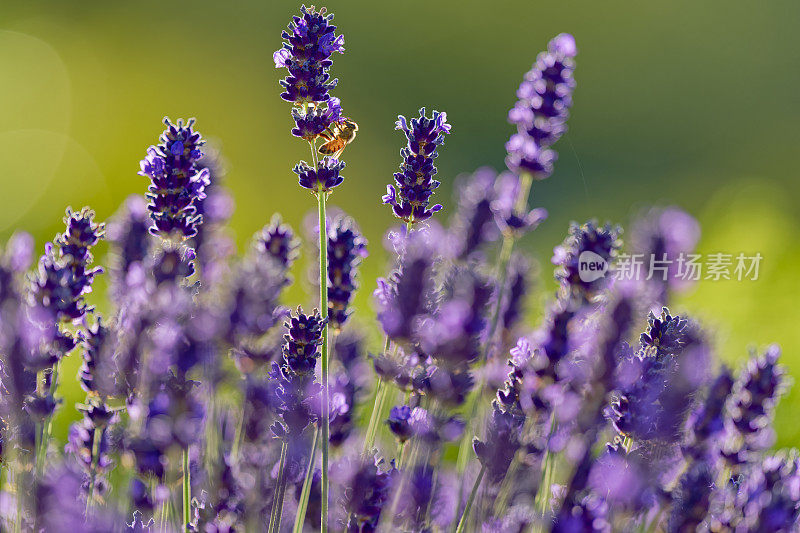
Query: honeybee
<point x="338" y="136"/>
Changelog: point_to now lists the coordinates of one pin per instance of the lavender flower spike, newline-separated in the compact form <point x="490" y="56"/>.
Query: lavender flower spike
<point x="323" y="178"/>
<point x="541" y="113"/>
<point x="415" y="183"/>
<point x="346" y="248"/>
<point x="177" y="181"/>
<point x="306" y="54"/>
<point x="295" y="377"/>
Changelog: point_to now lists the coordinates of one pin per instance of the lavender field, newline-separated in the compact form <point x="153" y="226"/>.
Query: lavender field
<point x="473" y="385"/>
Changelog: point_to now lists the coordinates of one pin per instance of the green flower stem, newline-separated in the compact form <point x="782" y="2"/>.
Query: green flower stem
<point x="542" y="494"/>
<point x="323" y="303"/>
<point x="187" y="491"/>
<point x="277" y="498"/>
<point x="377" y="407"/>
<point x="47" y="425"/>
<point x="302" y="505"/>
<point x="465" y="515"/>
<point x="401" y="448"/>
<point x="381" y="391"/>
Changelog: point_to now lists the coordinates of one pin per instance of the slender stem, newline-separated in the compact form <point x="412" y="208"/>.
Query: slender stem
<point x="401" y="448"/>
<point x="277" y="498"/>
<point x="47" y="425"/>
<point x="237" y="437"/>
<point x="377" y="408"/>
<point x="525" y="182"/>
<point x="187" y="491"/>
<point x="542" y="494"/>
<point x="302" y="505"/>
<point x="323" y="303"/>
<point x="465" y="515"/>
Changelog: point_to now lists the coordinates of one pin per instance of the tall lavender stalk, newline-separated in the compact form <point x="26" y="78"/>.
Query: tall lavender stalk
<point x="177" y="186"/>
<point x="64" y="277"/>
<point x="306" y="53"/>
<point x="540" y="115"/>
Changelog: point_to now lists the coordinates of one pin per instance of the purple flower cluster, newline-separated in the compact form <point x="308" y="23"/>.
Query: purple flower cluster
<point x="410" y="199"/>
<point x="65" y="275"/>
<point x="306" y="54"/>
<point x="323" y="178"/>
<point x="177" y="181"/>
<point x="541" y="114"/>
<point x="346" y="249"/>
<point x="295" y="376"/>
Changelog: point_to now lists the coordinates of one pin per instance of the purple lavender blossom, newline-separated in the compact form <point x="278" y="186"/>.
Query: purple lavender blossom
<point x="177" y="180"/>
<point x="324" y="178"/>
<point x="170" y="263"/>
<point x="366" y="494"/>
<point x="497" y="450"/>
<point x="94" y="346"/>
<point x="516" y="291"/>
<point x="295" y="376"/>
<point x="451" y="334"/>
<point x="130" y="240"/>
<point x="346" y="249"/>
<point x="473" y="225"/>
<point x="541" y="113"/>
<point x="757" y="389"/>
<point x="306" y="54"/>
<point x="311" y="123"/>
<point x="399" y="422"/>
<point x="691" y="498"/>
<point x="589" y="514"/>
<point x="64" y="274"/>
<point x="89" y="445"/>
<point x="768" y="496"/>
<point x="257" y="283"/>
<point x="213" y="243"/>
<point x="405" y="296"/>
<point x="415" y="183"/>
<point x="671" y="367"/>
<point x="663" y="237"/>
<point x="349" y="386"/>
<point x="707" y="421"/>
<point x="511" y="219"/>
<point x="597" y="243"/>
<point x="278" y="241"/>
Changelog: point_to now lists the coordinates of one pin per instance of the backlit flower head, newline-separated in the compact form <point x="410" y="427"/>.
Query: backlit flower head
<point x="497" y="450"/>
<point x="511" y="218"/>
<point x="306" y="53"/>
<point x="346" y="249"/>
<point x="176" y="180"/>
<point x="310" y="123"/>
<point x="541" y="113"/>
<point x="585" y="242"/>
<point x="410" y="199"/>
<point x="324" y="178"/>
<point x="277" y="241"/>
<point x="473" y="226"/>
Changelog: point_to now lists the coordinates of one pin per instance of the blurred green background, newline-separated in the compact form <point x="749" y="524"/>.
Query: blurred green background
<point x="681" y="102"/>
